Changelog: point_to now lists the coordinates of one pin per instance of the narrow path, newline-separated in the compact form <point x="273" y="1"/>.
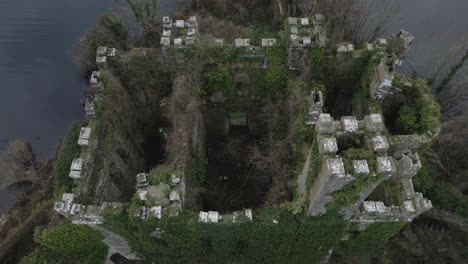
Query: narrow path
<point x="302" y="179"/>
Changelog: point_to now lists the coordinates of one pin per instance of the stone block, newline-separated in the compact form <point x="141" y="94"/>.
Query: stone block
<point x="294" y="40"/>
<point x="189" y="40"/>
<point x="306" y="41"/>
<point x="143" y="213"/>
<point x="408" y="165"/>
<point x="328" y="146"/>
<point x="294" y="31"/>
<point x="292" y="21"/>
<point x="203" y="217"/>
<point x="406" y="36"/>
<point x="321" y="40"/>
<point x="369" y="207"/>
<point x="239" y="43"/>
<point x="83" y="139"/>
<point x="75" y="174"/>
<point x="248" y="214"/>
<point x="101" y="60"/>
<point x="349" y="124"/>
<point x="304" y="21"/>
<point x="382" y="42"/>
<point x="101" y="51"/>
<point x="409" y="206"/>
<point x="269" y="42"/>
<point x="89" y="107"/>
<point x="385" y="166"/>
<point x="360" y="167"/>
<point x="67" y="199"/>
<point x="175" y="179"/>
<point x="341" y="48"/>
<point x="350" y="47"/>
<point x="94" y="80"/>
<point x="335" y="167"/>
<point x="219" y="42"/>
<point x="325" y="124"/>
<point x="167" y="22"/>
<point x="174" y="196"/>
<point x="111" y="52"/>
<point x="213" y="216"/>
<point x="380" y="207"/>
<point x="142" y="194"/>
<point x="165" y="41"/>
<point x="180" y="23"/>
<point x="191" y="32"/>
<point x="142" y="180"/>
<point x="369" y="46"/>
<point x="379" y="144"/>
<point x="192" y="22"/>
<point x="374" y="123"/>
<point x="178" y="42"/>
<point x="58" y="206"/>
<point x="156" y="211"/>
<point x="77" y="164"/>
<point x="166" y="33"/>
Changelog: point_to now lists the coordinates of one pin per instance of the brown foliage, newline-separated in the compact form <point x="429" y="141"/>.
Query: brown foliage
<point x="272" y="156"/>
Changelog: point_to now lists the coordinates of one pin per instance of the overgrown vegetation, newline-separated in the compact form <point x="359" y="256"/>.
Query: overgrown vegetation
<point x="69" y="150"/>
<point x="161" y="174"/>
<point x="67" y="243"/>
<point x="197" y="171"/>
<point x="184" y="240"/>
<point x="431" y="181"/>
<point x="218" y="79"/>
<point x="412" y="110"/>
<point x="365" y="244"/>
<point x="358" y="154"/>
<point x="350" y="193"/>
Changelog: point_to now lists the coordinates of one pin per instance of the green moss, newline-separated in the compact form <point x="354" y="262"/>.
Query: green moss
<point x="218" y="79"/>
<point x="197" y="171"/>
<point x="350" y="193"/>
<point x="271" y="82"/>
<point x="224" y="55"/>
<point x="413" y="110"/>
<point x="358" y="154"/>
<point x="161" y="174"/>
<point x="295" y="239"/>
<point x="68" y="243"/>
<point x="430" y="180"/>
<point x="68" y="151"/>
<point x="366" y="243"/>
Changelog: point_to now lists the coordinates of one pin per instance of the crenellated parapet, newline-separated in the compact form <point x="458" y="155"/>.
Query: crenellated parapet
<point x="355" y="161"/>
<point x="179" y="33"/>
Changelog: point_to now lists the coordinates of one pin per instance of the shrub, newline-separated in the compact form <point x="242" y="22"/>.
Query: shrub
<point x="160" y="174"/>
<point x="218" y="79"/>
<point x="197" y="171"/>
<point x="367" y="242"/>
<point x="271" y="82"/>
<point x="294" y="239"/>
<point x="68" y="243"/>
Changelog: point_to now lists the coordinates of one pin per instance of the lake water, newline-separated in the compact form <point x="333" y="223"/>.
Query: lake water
<point x="440" y="28"/>
<point x="41" y="87"/>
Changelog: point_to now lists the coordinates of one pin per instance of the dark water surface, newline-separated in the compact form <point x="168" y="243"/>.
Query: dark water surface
<point x="440" y="28"/>
<point x="40" y="86"/>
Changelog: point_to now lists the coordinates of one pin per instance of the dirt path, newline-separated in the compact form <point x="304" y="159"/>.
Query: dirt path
<point x="301" y="186"/>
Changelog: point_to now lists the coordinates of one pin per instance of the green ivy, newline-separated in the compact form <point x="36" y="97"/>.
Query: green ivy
<point x="218" y="79"/>
<point x="68" y="243"/>
<point x="69" y="150"/>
